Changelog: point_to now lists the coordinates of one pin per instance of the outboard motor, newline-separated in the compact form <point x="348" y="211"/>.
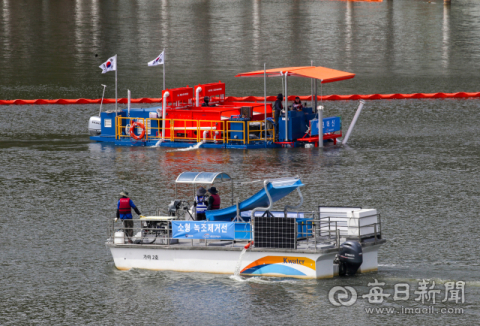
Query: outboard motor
<point x="95" y="126"/>
<point x="173" y="207"/>
<point x="349" y="258"/>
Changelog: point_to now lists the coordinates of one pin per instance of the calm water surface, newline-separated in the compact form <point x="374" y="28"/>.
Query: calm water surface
<point x="416" y="161"/>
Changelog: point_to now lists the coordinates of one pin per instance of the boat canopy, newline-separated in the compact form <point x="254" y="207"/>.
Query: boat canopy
<point x="203" y="177"/>
<point x="325" y="75"/>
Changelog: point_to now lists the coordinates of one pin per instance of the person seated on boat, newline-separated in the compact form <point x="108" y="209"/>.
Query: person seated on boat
<point x="124" y="213"/>
<point x="278" y="109"/>
<point x="206" y="99"/>
<point x="297" y="104"/>
<point x="200" y="203"/>
<point x="214" y="199"/>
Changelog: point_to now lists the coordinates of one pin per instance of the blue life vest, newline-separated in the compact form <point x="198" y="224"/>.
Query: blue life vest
<point x="201" y="206"/>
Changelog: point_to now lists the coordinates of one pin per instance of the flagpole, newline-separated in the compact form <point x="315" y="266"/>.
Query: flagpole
<point x="116" y="68"/>
<point x="163" y="68"/>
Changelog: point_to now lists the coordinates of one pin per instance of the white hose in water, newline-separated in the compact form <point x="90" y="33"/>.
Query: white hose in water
<point x="158" y="143"/>
<point x="352" y="124"/>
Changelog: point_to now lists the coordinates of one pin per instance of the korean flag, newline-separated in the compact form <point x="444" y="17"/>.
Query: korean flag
<point x="109" y="65"/>
<point x="158" y="60"/>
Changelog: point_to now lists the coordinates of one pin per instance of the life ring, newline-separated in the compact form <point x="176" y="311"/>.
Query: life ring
<point x="134" y="125"/>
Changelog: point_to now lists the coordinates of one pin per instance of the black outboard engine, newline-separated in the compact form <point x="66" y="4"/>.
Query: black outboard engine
<point x="173" y="207"/>
<point x="349" y="258"/>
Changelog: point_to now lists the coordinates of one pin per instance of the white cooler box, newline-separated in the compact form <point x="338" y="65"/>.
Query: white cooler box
<point x="358" y="221"/>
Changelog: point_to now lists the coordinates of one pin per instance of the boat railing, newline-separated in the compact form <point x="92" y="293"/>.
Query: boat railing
<point x="218" y="131"/>
<point x="161" y="233"/>
<point x="241" y="131"/>
<point x="334" y="227"/>
<point x="264" y="134"/>
<point x="122" y="124"/>
<point x="308" y="232"/>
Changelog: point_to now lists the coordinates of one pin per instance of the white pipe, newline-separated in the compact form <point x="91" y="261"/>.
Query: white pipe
<point x="265" y="183"/>
<point x="352" y="124"/>
<point x="215" y="136"/>
<point x="101" y="103"/>
<point x="296" y="206"/>
<point x="165" y="95"/>
<point x="205" y="135"/>
<point x="320" y="126"/>
<point x="128" y="105"/>
<point x="197" y="96"/>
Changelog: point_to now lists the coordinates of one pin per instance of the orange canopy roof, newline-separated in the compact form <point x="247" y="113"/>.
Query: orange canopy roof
<point x="326" y="75"/>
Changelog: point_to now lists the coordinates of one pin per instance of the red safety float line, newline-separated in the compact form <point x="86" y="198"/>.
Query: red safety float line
<point x="252" y="98"/>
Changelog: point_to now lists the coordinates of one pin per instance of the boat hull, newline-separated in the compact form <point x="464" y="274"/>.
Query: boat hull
<point x="256" y="262"/>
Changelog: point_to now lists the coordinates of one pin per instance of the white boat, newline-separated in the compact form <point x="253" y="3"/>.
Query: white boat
<point x="251" y="239"/>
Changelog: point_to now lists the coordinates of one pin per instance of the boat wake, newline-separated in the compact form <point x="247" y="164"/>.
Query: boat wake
<point x="196" y="146"/>
<point x="261" y="279"/>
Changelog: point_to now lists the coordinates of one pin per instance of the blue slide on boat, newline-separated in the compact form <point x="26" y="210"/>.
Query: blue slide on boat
<point x="277" y="188"/>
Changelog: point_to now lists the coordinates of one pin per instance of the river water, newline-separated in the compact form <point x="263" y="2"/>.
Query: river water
<point x="416" y="161"/>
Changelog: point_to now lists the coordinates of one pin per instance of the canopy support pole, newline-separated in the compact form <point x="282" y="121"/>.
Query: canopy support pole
<point x="315" y="87"/>
<point x="265" y="99"/>
<point x="320" y="126"/>
<point x="311" y="88"/>
<point x="286" y="106"/>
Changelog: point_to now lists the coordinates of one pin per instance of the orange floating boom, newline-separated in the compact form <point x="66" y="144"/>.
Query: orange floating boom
<point x="272" y="98"/>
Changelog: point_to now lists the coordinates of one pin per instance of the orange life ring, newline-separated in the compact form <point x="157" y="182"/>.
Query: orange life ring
<point x="134" y="125"/>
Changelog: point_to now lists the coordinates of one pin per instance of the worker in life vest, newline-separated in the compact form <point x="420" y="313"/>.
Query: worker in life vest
<point x="200" y="203"/>
<point x="214" y="199"/>
<point x="124" y="213"/>
<point x="297" y="104"/>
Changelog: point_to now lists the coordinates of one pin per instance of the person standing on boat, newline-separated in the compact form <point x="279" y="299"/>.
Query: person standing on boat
<point x="124" y="213"/>
<point x="200" y="203"/>
<point x="214" y="199"/>
<point x="297" y="104"/>
<point x="278" y="109"/>
<point x="205" y="101"/>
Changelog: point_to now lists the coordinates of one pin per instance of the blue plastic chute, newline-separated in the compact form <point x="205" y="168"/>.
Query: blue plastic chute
<point x="277" y="188"/>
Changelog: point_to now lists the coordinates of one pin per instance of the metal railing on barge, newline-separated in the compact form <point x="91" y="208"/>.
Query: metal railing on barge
<point x="181" y="130"/>
<point x="307" y="231"/>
